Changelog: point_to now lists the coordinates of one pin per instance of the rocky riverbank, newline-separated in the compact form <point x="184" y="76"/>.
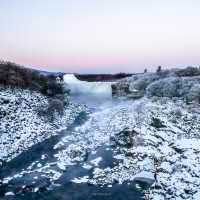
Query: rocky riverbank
<point x="167" y="83"/>
<point x="153" y="142"/>
<point x="22" y="125"/>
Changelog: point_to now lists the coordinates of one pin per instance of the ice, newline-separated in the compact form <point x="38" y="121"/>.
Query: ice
<point x="144" y="176"/>
<point x="96" y="161"/>
<point x="87" y="166"/>
<point x="83" y="179"/>
<point x="61" y="165"/>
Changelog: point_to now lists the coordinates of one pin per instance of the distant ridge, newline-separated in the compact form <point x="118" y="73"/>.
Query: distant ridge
<point x="55" y="74"/>
<point x="101" y="77"/>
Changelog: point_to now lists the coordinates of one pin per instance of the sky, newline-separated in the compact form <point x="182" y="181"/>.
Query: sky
<point x="100" y="36"/>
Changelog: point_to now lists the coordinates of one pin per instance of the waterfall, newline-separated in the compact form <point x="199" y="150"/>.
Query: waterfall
<point x="78" y="87"/>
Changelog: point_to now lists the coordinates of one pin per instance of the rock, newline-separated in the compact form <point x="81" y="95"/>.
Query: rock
<point x="123" y="89"/>
<point x="71" y="155"/>
<point x="157" y="123"/>
<point x="135" y="95"/>
<point x="145" y="177"/>
<point x="125" y="138"/>
<point x="120" y="89"/>
<point x="9" y="194"/>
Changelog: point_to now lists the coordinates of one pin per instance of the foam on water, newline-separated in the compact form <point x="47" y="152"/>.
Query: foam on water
<point x="77" y="87"/>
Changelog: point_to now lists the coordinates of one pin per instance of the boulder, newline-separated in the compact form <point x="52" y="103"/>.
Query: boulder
<point x="120" y="89"/>
<point x="125" y="138"/>
<point x="145" y="177"/>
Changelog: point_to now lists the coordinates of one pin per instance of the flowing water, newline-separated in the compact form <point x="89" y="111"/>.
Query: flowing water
<point x="97" y="96"/>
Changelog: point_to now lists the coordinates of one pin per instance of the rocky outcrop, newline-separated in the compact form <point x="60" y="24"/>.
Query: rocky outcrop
<point x="145" y="177"/>
<point x="134" y="87"/>
<point x="122" y="89"/>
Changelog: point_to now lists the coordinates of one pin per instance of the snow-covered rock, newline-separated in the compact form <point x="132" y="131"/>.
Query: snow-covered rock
<point x="9" y="194"/>
<point x="144" y="176"/>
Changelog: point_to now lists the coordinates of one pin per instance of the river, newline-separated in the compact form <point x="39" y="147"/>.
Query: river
<point x="91" y="134"/>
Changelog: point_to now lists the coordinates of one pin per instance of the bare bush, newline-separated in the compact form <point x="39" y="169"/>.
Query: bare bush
<point x="54" y="106"/>
<point x="13" y="75"/>
<point x="189" y="71"/>
<point x="167" y="87"/>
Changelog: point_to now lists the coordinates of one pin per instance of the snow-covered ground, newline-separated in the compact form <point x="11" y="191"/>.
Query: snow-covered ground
<point x="20" y="125"/>
<point x="166" y="154"/>
<point x="153" y="141"/>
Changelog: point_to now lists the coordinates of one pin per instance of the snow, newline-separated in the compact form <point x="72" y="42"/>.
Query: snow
<point x="9" y="194"/>
<point x="171" y="153"/>
<point x="196" y="196"/>
<point x="21" y="127"/>
<point x="96" y="161"/>
<point x="83" y="179"/>
<point x="87" y="166"/>
<point x="61" y="166"/>
<point x="188" y="144"/>
<point x="166" y="167"/>
<point x="36" y="189"/>
<point x="144" y="176"/>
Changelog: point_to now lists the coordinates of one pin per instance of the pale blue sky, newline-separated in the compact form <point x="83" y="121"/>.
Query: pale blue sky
<point x="100" y="36"/>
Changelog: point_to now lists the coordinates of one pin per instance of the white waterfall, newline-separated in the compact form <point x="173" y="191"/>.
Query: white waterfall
<point x="78" y="87"/>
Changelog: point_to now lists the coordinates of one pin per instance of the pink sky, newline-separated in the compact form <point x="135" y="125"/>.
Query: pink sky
<point x="98" y="36"/>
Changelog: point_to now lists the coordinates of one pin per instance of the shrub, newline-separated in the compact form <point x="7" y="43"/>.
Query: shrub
<point x="54" y="88"/>
<point x="48" y="111"/>
<point x="159" y="69"/>
<point x="189" y="71"/>
<point x="140" y="82"/>
<point x="125" y="138"/>
<point x="56" y="105"/>
<point x="13" y="75"/>
<point x="168" y="87"/>
<point x="176" y="112"/>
